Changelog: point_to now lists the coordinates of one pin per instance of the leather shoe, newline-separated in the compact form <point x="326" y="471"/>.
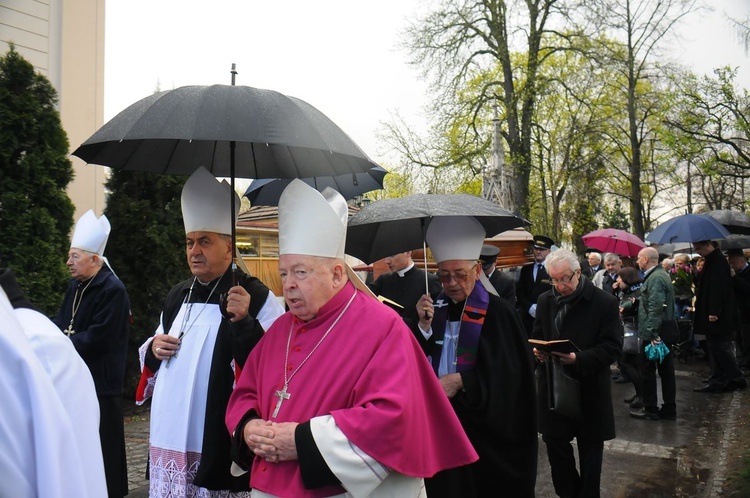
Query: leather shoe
<point x="667" y="415"/>
<point x="630" y="399"/>
<point x="711" y="387"/>
<point x="636" y="403"/>
<point x="642" y="414"/>
<point x="733" y="385"/>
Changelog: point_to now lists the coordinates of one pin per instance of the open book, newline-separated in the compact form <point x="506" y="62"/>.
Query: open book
<point x="557" y="346"/>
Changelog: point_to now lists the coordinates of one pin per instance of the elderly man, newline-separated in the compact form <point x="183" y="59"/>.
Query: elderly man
<point x="311" y="421"/>
<point x="606" y="278"/>
<point x="716" y="317"/>
<point x="504" y="284"/>
<point x="95" y="315"/>
<point x="655" y="316"/>
<point x="190" y="365"/>
<point x="590" y="318"/>
<point x="478" y="350"/>
<point x="405" y="284"/>
<point x="594" y="264"/>
<point x="533" y="281"/>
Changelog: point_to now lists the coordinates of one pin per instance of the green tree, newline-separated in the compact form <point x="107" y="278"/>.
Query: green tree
<point x="146" y="248"/>
<point x="36" y="214"/>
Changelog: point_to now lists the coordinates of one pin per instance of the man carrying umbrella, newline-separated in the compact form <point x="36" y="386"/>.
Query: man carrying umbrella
<point x="337" y="397"/>
<point x="478" y="350"/>
<point x="191" y="363"/>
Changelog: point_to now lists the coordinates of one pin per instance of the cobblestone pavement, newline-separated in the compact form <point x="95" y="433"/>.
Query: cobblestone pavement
<point x="658" y="459"/>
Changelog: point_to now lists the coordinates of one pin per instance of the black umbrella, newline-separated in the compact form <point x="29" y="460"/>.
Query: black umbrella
<point x="735" y="222"/>
<point x="266" y="192"/>
<point x="735" y="242"/>
<point x="390" y="226"/>
<point x="231" y="131"/>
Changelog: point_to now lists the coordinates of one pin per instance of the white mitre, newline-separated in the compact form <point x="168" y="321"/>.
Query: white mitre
<point x="313" y="223"/>
<point x="455" y="238"/>
<point x="91" y="233"/>
<point x="206" y="204"/>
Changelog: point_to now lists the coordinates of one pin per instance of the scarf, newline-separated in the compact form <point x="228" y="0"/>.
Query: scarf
<point x="472" y="319"/>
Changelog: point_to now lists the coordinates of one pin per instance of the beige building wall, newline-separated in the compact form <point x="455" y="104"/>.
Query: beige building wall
<point x="64" y="40"/>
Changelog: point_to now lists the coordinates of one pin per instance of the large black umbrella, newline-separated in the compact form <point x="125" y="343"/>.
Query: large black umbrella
<point x="735" y="242"/>
<point x="390" y="226"/>
<point x="231" y="131"/>
<point x="267" y="191"/>
<point x="735" y="222"/>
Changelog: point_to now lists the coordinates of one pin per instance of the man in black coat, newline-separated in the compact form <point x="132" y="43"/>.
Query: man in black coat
<point x="741" y="286"/>
<point x="95" y="314"/>
<point x="716" y="317"/>
<point x="504" y="284"/>
<point x="479" y="351"/>
<point x="589" y="317"/>
<point x="532" y="282"/>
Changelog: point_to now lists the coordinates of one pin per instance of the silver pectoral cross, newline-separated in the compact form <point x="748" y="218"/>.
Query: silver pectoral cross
<point x="69" y="331"/>
<point x="282" y="395"/>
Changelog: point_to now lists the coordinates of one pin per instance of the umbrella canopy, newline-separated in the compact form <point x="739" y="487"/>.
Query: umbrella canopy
<point x="687" y="228"/>
<point x="266" y="192"/>
<point x="670" y="249"/>
<point x="390" y="226"/>
<point x="614" y="241"/>
<point x="735" y="222"/>
<point x="735" y="242"/>
<point x="274" y="136"/>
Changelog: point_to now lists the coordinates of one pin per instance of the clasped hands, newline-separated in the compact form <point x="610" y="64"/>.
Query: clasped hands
<point x="271" y="441"/>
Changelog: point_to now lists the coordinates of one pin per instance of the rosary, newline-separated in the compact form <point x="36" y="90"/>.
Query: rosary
<point x="74" y="308"/>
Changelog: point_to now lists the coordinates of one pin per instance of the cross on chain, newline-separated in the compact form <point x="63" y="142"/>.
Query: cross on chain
<point x="282" y="395"/>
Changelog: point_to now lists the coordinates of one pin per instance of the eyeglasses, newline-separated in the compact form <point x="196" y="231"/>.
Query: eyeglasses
<point x="459" y="276"/>
<point x="563" y="281"/>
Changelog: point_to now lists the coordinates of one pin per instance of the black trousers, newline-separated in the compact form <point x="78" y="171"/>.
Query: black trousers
<point x="565" y="477"/>
<point x="723" y="361"/>
<point x="668" y="384"/>
<point x="112" y="434"/>
<point x="630" y="364"/>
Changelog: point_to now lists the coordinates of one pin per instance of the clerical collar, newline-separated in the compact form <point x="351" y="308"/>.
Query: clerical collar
<point x="401" y="273"/>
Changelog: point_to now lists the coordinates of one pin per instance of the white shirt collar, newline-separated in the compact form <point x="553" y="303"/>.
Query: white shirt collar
<point x="402" y="272"/>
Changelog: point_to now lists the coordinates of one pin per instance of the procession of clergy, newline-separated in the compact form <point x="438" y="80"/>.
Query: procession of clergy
<point x="338" y="396"/>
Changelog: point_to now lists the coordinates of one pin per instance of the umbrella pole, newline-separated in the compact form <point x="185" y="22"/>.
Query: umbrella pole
<point x="232" y="146"/>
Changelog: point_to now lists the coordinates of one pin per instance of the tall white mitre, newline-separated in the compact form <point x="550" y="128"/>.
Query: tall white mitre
<point x="206" y="205"/>
<point x="313" y="223"/>
<point x="455" y="238"/>
<point x="91" y="233"/>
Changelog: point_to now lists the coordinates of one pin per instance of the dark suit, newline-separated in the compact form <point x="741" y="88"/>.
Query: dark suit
<point x="593" y="324"/>
<point x="505" y="286"/>
<point x="528" y="291"/>
<point x="741" y="286"/>
<point x="589" y="271"/>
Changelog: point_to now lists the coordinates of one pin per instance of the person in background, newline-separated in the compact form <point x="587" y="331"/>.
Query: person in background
<point x="741" y="286"/>
<point x="629" y="281"/>
<point x="532" y="282"/>
<point x="503" y="283"/>
<point x="576" y="310"/>
<point x="479" y="351"/>
<point x="682" y="280"/>
<point x="716" y="317"/>
<point x="606" y="278"/>
<point x="193" y="360"/>
<point x="311" y="421"/>
<point x="595" y="264"/>
<point x="95" y="315"/>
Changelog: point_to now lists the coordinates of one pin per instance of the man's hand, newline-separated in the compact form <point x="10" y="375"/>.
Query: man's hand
<point x="284" y="441"/>
<point x="165" y="346"/>
<point x="271" y="441"/>
<point x="566" y="358"/>
<point x="541" y="356"/>
<point x="425" y="311"/>
<point x="238" y="302"/>
<point x="451" y="383"/>
<point x="713" y="318"/>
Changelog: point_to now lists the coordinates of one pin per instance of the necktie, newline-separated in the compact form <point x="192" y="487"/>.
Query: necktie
<point x="539" y="267"/>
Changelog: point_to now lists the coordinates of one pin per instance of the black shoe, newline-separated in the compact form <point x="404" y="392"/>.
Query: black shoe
<point x="644" y="415"/>
<point x="733" y="385"/>
<point x="630" y="399"/>
<point x="622" y="379"/>
<point x="636" y="403"/>
<point x="711" y="387"/>
<point x="667" y="415"/>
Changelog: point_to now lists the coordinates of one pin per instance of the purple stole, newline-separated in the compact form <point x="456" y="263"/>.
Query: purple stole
<point x="468" y="332"/>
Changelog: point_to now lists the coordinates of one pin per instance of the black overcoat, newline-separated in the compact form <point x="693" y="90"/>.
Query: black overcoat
<point x="714" y="296"/>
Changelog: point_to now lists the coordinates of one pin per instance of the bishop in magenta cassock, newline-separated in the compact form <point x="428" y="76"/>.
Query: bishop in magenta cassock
<point x="337" y="398"/>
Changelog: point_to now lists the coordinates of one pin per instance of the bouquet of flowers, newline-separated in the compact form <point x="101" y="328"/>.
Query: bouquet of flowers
<point x="682" y="280"/>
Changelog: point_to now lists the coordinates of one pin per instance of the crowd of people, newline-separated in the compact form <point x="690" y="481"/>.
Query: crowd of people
<point x="333" y="393"/>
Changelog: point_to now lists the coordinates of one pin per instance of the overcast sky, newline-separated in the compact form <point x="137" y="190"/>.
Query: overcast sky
<point x="341" y="56"/>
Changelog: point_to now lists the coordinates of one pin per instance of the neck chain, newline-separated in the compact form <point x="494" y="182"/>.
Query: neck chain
<point x="74" y="308"/>
<point x="284" y="394"/>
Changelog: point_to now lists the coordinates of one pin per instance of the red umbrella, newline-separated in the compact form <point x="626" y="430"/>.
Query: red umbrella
<point x="614" y="241"/>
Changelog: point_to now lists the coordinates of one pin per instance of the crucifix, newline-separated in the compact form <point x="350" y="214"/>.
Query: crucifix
<point x="282" y="395"/>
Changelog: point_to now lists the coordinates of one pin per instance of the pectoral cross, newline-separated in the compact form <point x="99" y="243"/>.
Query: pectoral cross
<point x="69" y="331"/>
<point x="282" y="395"/>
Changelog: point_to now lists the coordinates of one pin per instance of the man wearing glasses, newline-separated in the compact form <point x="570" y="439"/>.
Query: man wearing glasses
<point x="478" y="350"/>
<point x="532" y="281"/>
<point x="575" y="309"/>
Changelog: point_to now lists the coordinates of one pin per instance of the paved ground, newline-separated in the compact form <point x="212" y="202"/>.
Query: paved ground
<point x="686" y="458"/>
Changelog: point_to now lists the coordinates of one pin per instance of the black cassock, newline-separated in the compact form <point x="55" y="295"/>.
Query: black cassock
<point x="497" y="409"/>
